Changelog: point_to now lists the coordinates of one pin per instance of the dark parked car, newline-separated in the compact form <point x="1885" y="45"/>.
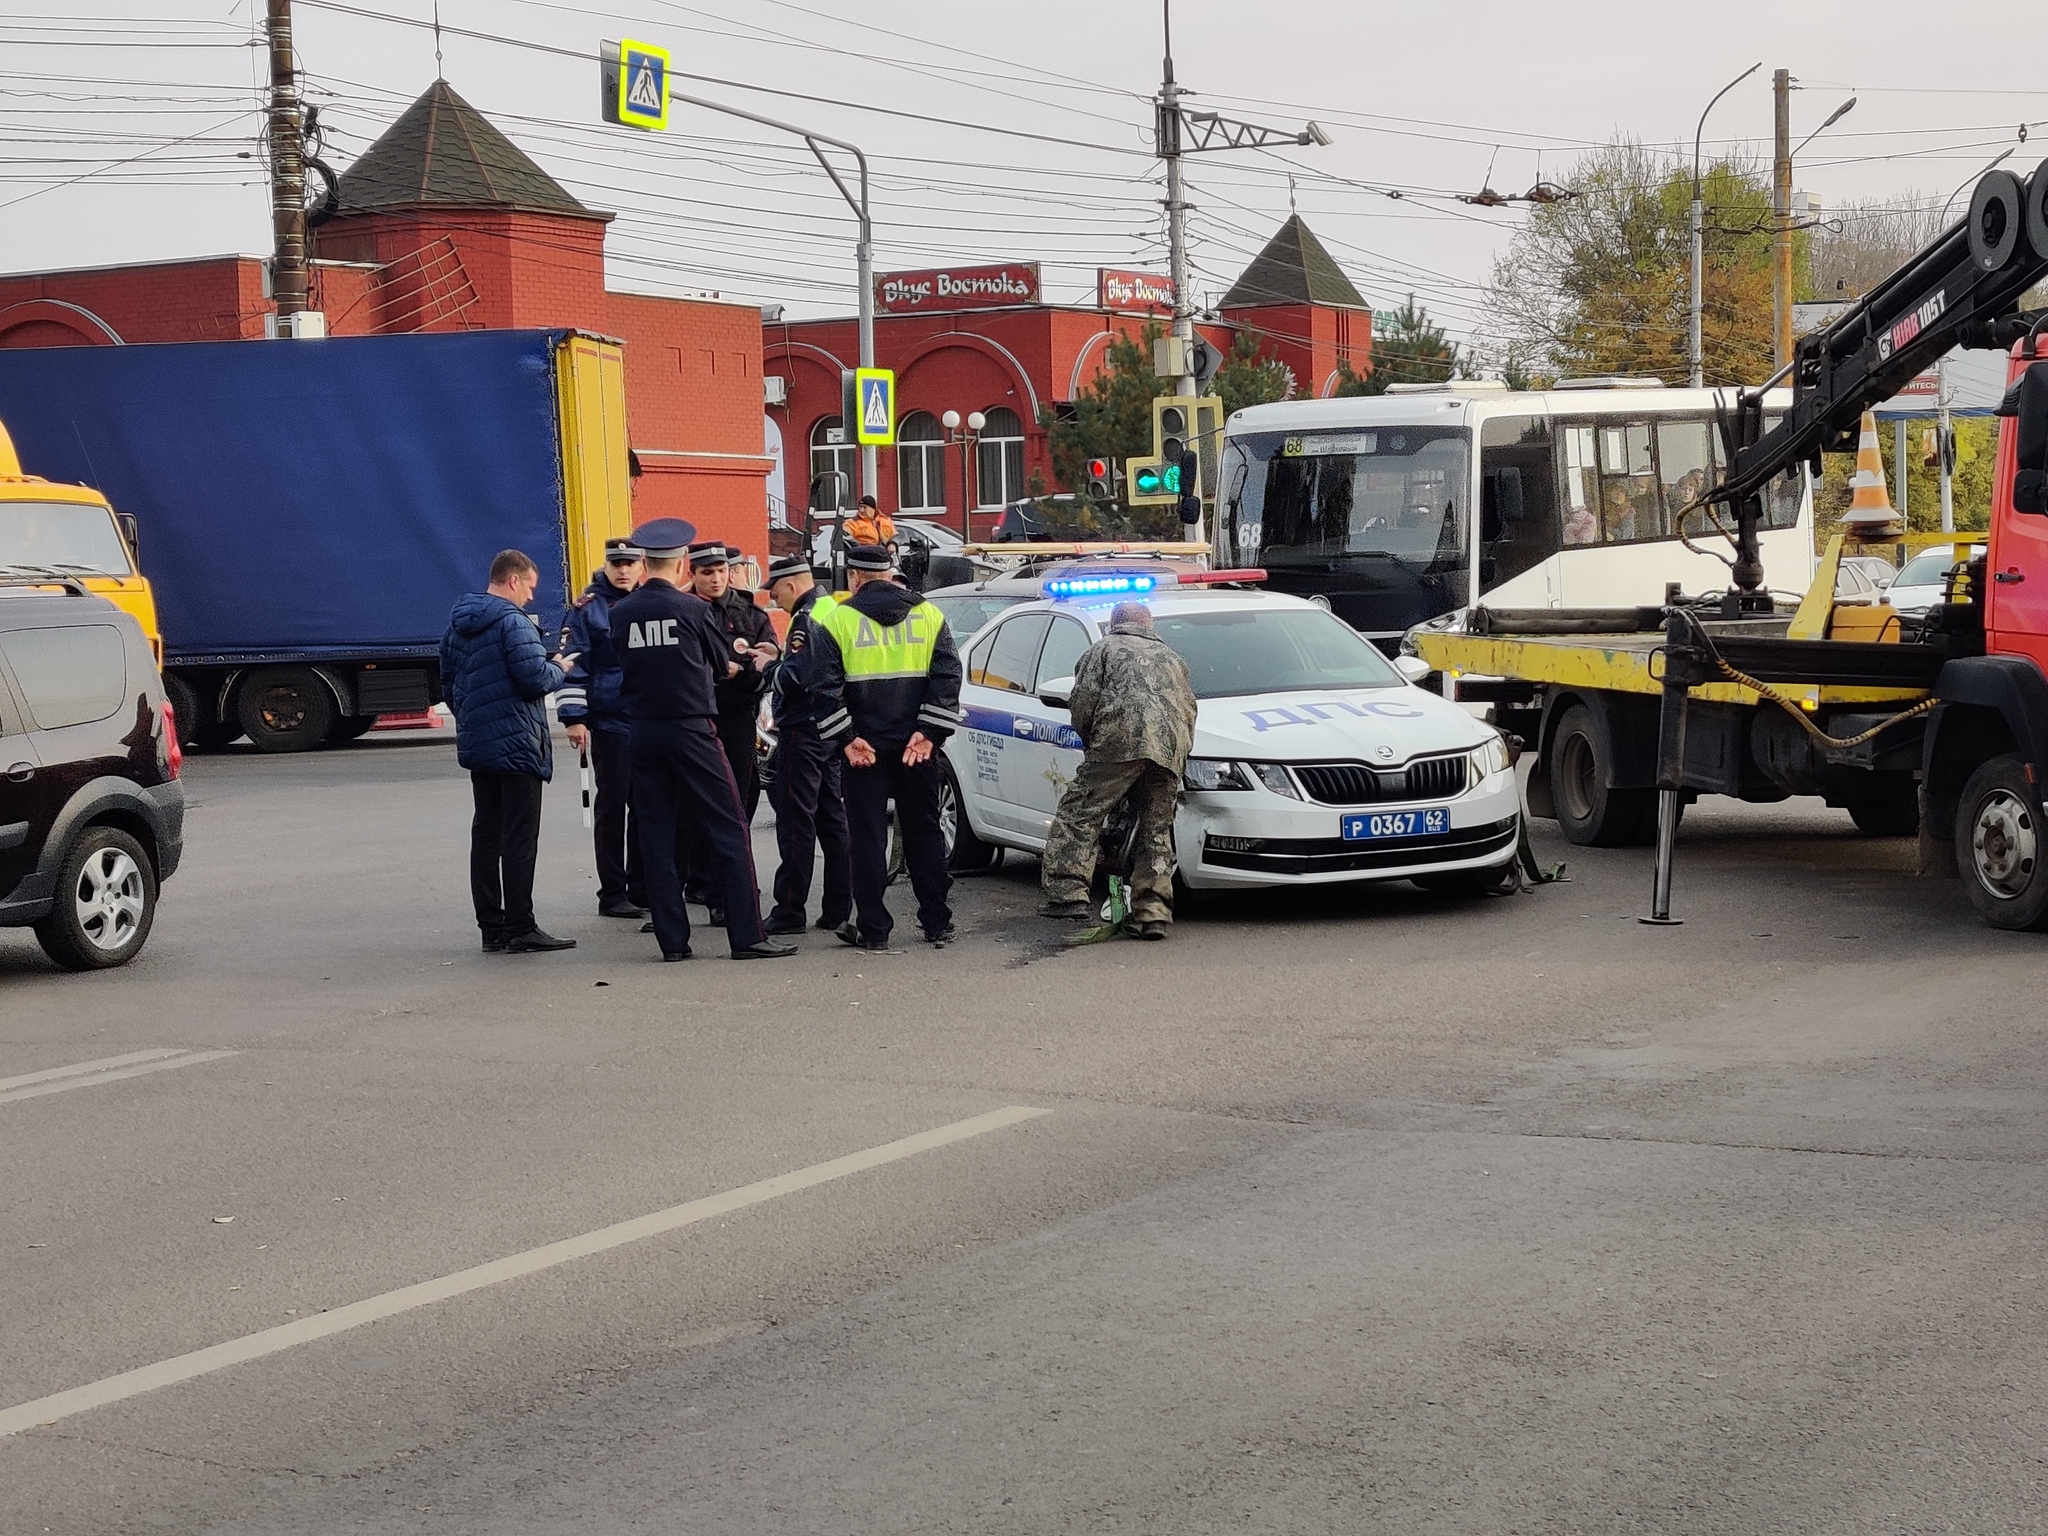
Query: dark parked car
<point x="92" y="815"/>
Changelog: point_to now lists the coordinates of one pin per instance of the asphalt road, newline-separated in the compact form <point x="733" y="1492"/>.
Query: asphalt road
<point x="1347" y="1212"/>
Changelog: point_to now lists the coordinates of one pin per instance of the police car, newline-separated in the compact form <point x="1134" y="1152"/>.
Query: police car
<point x="1316" y="759"/>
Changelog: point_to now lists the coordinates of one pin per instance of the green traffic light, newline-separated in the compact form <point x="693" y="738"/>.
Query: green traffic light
<point x="1158" y="481"/>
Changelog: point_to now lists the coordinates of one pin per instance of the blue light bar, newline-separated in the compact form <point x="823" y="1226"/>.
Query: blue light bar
<point x="1105" y="584"/>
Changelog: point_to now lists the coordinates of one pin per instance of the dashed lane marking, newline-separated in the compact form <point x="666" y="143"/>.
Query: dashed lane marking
<point x="89" y="1074"/>
<point x="165" y="1373"/>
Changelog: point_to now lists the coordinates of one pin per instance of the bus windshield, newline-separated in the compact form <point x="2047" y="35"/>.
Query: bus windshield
<point x="75" y="537"/>
<point x="1375" y="520"/>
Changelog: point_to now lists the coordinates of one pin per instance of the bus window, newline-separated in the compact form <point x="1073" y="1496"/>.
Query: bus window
<point x="1631" y="505"/>
<point x="1685" y="465"/>
<point x="1518" y="527"/>
<point x="1581" y="487"/>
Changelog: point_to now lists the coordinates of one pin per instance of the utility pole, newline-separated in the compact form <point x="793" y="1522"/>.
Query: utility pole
<point x="287" y="171"/>
<point x="1781" y="215"/>
<point x="1176" y="214"/>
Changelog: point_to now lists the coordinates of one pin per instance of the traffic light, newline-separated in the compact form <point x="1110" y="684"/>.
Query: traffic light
<point x="1171" y="417"/>
<point x="1187" y="477"/>
<point x="1154" y="482"/>
<point x="1099" y="487"/>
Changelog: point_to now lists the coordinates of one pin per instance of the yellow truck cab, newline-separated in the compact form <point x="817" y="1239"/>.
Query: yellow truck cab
<point x="71" y="530"/>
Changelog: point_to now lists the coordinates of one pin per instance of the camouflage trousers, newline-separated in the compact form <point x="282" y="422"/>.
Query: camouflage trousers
<point x="1070" y="846"/>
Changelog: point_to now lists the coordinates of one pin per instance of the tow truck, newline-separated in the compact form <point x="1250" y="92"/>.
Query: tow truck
<point x="1940" y="724"/>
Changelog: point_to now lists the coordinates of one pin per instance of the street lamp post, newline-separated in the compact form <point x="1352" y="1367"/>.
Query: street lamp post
<point x="966" y="440"/>
<point x="1694" y="358"/>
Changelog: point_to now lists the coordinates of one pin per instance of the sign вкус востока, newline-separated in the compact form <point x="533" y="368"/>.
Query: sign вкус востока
<point x="909" y="293"/>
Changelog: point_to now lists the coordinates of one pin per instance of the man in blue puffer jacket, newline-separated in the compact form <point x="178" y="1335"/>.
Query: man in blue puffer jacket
<point x="497" y="677"/>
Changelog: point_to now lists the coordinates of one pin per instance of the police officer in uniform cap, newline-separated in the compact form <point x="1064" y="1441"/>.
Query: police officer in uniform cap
<point x="671" y="650"/>
<point x="810" y="810"/>
<point x="886" y="675"/>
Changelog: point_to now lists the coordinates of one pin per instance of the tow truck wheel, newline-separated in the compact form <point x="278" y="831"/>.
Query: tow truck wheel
<point x="1591" y="812"/>
<point x="1999" y="846"/>
<point x="1892" y="809"/>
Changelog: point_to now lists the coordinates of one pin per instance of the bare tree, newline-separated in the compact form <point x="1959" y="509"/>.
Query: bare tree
<point x="1857" y="245"/>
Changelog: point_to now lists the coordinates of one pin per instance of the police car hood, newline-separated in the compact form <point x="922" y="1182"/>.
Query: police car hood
<point x="1338" y="724"/>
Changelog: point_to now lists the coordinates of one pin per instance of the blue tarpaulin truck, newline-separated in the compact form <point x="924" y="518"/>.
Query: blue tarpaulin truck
<point x="307" y="512"/>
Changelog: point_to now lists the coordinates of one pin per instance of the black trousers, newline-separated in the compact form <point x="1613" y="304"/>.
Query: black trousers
<point x="736" y="740"/>
<point x="916" y="793"/>
<point x="682" y="780"/>
<point x="504" y="840"/>
<point x="618" y="850"/>
<point x="810" y="813"/>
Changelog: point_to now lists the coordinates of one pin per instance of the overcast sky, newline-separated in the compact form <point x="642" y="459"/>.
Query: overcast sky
<point x="1429" y="99"/>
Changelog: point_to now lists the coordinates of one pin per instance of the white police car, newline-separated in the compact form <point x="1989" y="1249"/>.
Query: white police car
<point x="1315" y="759"/>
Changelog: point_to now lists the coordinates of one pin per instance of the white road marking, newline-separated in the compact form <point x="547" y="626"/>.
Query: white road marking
<point x="88" y="1074"/>
<point x="201" y="1362"/>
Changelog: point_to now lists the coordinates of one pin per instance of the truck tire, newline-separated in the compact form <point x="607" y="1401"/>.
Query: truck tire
<point x="966" y="854"/>
<point x="185" y="709"/>
<point x="286" y="709"/>
<point x="1890" y="807"/>
<point x="106" y="902"/>
<point x="2000" y="846"/>
<point x="349" y="727"/>
<point x="1590" y="811"/>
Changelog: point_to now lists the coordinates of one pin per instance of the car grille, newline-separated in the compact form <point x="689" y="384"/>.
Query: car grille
<point x="1429" y="778"/>
<point x="1333" y="855"/>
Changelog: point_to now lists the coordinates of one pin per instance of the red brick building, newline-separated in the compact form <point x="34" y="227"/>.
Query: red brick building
<point x="442" y="225"/>
<point x="1018" y="362"/>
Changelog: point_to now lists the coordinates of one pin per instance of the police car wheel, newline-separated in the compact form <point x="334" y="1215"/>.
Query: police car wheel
<point x="966" y="854"/>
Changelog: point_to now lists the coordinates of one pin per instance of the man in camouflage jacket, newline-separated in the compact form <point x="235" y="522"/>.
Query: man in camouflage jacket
<point x="1135" y="711"/>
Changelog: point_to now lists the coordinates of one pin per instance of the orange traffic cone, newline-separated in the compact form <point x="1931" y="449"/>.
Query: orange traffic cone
<point x="1870" y="507"/>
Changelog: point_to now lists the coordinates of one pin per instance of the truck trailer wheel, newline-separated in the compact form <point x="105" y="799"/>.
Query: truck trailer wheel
<point x="286" y="709"/>
<point x="1591" y="812"/>
<point x="184" y="708"/>
<point x="1999" y="846"/>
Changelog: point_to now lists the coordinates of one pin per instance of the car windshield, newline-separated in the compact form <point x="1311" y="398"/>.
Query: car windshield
<point x="1241" y="650"/>
<point x="1926" y="568"/>
<point x="968" y="611"/>
<point x="62" y="536"/>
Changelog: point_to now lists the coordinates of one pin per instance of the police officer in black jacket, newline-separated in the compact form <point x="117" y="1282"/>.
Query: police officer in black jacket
<point x="671" y="649"/>
<point x="750" y="638"/>
<point x="810" y="809"/>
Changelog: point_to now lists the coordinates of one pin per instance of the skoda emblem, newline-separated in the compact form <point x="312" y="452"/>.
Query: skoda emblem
<point x="1383" y="753"/>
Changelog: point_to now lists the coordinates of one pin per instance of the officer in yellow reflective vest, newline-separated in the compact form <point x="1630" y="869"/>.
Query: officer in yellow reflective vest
<point x="886" y="676"/>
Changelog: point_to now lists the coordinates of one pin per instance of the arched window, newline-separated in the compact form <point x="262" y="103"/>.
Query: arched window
<point x="999" y="458"/>
<point x="830" y="451"/>
<point x="920" y="463"/>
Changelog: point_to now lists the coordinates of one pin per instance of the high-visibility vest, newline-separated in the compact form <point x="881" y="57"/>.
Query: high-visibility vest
<point x="871" y="652"/>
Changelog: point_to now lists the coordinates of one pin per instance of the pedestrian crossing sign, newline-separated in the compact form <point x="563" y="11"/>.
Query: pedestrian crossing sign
<point x="643" y="85"/>
<point x="875" y="397"/>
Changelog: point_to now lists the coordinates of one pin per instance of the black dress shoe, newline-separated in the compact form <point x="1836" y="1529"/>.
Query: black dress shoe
<point x="536" y="942"/>
<point x="831" y="924"/>
<point x="849" y="933"/>
<point x="716" y="915"/>
<point x="625" y="909"/>
<point x="784" y="929"/>
<point x="647" y="927"/>
<point x="494" y="943"/>
<point x="681" y="954"/>
<point x="767" y="949"/>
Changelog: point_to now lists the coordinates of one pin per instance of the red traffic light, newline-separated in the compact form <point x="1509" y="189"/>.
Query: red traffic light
<point x="1098" y="468"/>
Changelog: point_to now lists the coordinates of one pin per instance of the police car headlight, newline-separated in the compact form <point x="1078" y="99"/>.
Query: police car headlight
<point x="1213" y="773"/>
<point x="1275" y="778"/>
<point x="1489" y="759"/>
<point x="1452" y="623"/>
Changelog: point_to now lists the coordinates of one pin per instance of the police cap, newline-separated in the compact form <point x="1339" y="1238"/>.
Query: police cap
<point x="708" y="556"/>
<point x="869" y="557"/>
<point x="665" y="538"/>
<point x="620" y="551"/>
<point x="785" y="566"/>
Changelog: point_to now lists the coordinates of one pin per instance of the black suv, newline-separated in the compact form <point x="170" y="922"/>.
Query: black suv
<point x="92" y="815"/>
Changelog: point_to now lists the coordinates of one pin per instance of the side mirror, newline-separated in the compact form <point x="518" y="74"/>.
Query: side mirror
<point x="1413" y="669"/>
<point x="2027" y="403"/>
<point x="132" y="532"/>
<point x="1058" y="693"/>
